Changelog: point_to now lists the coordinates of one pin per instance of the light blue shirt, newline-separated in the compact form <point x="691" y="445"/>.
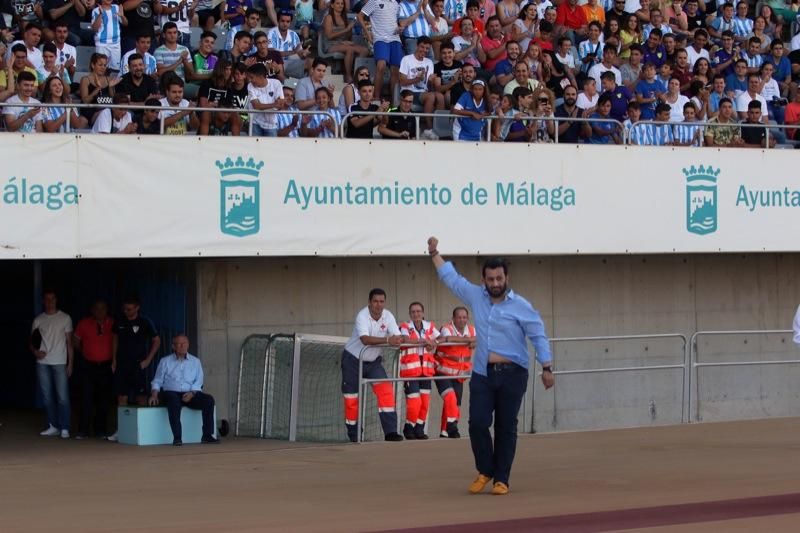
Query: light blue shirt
<point x="501" y="328"/>
<point x="178" y="375"/>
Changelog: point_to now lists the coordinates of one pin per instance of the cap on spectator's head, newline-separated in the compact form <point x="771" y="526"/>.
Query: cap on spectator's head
<point x="479" y="82"/>
<point x="290" y="83"/>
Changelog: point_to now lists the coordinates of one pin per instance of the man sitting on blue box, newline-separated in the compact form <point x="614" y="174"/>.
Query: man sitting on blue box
<point x="179" y="382"/>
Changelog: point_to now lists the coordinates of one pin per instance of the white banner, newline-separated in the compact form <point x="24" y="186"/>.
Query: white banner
<point x="167" y="197"/>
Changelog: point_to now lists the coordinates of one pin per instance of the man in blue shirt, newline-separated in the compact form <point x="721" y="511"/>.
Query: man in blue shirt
<point x="503" y="321"/>
<point x="179" y="382"/>
<point x="472" y="108"/>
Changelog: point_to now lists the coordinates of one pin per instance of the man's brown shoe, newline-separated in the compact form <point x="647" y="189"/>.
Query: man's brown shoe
<point x="499" y="488"/>
<point x="479" y="483"/>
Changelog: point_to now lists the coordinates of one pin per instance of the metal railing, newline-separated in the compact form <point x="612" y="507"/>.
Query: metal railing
<point x="364" y="382"/>
<point x="704" y="124"/>
<point x="694" y="407"/>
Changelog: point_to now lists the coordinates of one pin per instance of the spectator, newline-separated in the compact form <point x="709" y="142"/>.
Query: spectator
<point x="486" y="10"/>
<point x="675" y="100"/>
<point x="524" y="28"/>
<point x="571" y="20"/>
<point x="97" y="87"/>
<point x="568" y="131"/>
<point x="140" y="23"/>
<point x="473" y="14"/>
<point x="305" y="95"/>
<point x="135" y="344"/>
<point x="440" y="27"/>
<point x="181" y="14"/>
<point x="533" y="58"/>
<point x="264" y="94"/>
<point x="30" y="40"/>
<point x="400" y="125"/>
<point x="736" y="83"/>
<point x="272" y="59"/>
<point x="53" y="352"/>
<point x="699" y="96"/>
<point x="288" y="121"/>
<point x="142" y="49"/>
<point x="204" y="58"/>
<point x="242" y="48"/>
<point x="641" y="8"/>
<point x="723" y="129"/>
<point x="521" y="79"/>
<point x="106" y="21"/>
<point x="50" y="66"/>
<point x="70" y="14"/>
<point x="630" y="35"/>
<point x="656" y="23"/>
<point x="792" y="117"/>
<point x="172" y="56"/>
<point x="637" y="133"/>
<point x="607" y="64"/>
<point x="753" y="92"/>
<point x="659" y="134"/>
<point x="54" y="118"/>
<point x="755" y="137"/>
<point x="338" y="32"/>
<point x="681" y="70"/>
<point x="115" y="120"/>
<point x="176" y="122"/>
<point x="753" y="55"/>
<point x="234" y="11"/>
<point x="654" y="51"/>
<point x="252" y="20"/>
<point x="604" y="132"/>
<point x="18" y="63"/>
<point x="238" y="88"/>
<point x="94" y="339"/>
<point x="505" y="117"/>
<point x="304" y="17"/>
<point x="695" y="19"/>
<point x="665" y="73"/>
<point x="687" y="133"/>
<point x="412" y="15"/>
<point x="594" y="12"/>
<point x="590" y="51"/>
<point x="772" y="93"/>
<point x="179" y="382"/>
<point x="742" y="26"/>
<point x="136" y="84"/>
<point x="521" y="129"/>
<point x="289" y="45"/>
<point x="775" y="18"/>
<point x="147" y="123"/>
<point x="464" y="85"/>
<point x="617" y="12"/>
<point x="471" y="108"/>
<point x="207" y="13"/>
<point x="564" y="56"/>
<point x="467" y="44"/>
<point x="611" y="36"/>
<point x="620" y="96"/>
<point x="215" y="92"/>
<point x="631" y="71"/>
<point x="587" y="100"/>
<point x="546" y="35"/>
<point x="361" y="126"/>
<point x="726" y="57"/>
<point x="417" y="76"/>
<point x="783" y="67"/>
<point x="493" y="44"/>
<point x="759" y="28"/>
<point x="349" y="94"/>
<point x="698" y="50"/>
<point x="702" y="71"/>
<point x="723" y="23"/>
<point x="717" y="94"/>
<point x="543" y="130"/>
<point x="66" y="54"/>
<point x="447" y="71"/>
<point x="649" y="91"/>
<point x="27" y="118"/>
<point x="677" y="19"/>
<point x="504" y="69"/>
<point x="323" y="125"/>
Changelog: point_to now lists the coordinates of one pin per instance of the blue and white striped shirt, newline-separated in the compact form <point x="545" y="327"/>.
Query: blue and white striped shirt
<point x="109" y="32"/>
<point x="637" y="133"/>
<point x="420" y="26"/>
<point x="454" y="9"/>
<point x="665" y="29"/>
<point x="165" y="56"/>
<point x="316" y="120"/>
<point x="742" y="27"/>
<point x="50" y="114"/>
<point x="685" y="134"/>
<point x="150" y="64"/>
<point x="236" y="29"/>
<point x="753" y="62"/>
<point x="277" y="42"/>
<point x="658" y="135"/>
<point x="284" y="119"/>
<point x="588" y="47"/>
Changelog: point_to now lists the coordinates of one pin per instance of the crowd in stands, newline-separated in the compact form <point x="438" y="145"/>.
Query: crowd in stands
<point x="542" y="70"/>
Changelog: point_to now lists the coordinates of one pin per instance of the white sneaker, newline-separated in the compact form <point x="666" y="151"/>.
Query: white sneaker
<point x="429" y="134"/>
<point x="64" y="433"/>
<point x="112" y="438"/>
<point x="50" y="432"/>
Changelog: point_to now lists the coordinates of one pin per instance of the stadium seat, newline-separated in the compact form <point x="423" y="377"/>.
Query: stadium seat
<point x="443" y="125"/>
<point x="321" y="43"/>
<point x="84" y="57"/>
<point x="195" y="40"/>
<point x="222" y="36"/>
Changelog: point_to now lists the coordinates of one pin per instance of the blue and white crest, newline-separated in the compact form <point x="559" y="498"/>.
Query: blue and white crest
<point x="701" y="199"/>
<point x="239" y="195"/>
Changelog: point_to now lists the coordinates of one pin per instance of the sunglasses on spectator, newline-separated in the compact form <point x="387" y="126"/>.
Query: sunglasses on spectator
<point x="544" y="101"/>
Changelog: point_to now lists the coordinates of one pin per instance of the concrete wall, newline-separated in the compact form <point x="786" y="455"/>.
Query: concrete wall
<point x="577" y="296"/>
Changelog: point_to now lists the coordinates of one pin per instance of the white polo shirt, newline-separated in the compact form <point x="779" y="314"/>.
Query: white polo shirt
<point x="385" y="326"/>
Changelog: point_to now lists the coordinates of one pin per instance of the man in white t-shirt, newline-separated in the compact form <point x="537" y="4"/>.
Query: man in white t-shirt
<point x="416" y="72"/>
<point x="375" y="326"/>
<point x="176" y="122"/>
<point x="264" y="93"/>
<point x="589" y="97"/>
<point x="27" y="118"/>
<point x="752" y="93"/>
<point x="115" y="120"/>
<point x="607" y="64"/>
<point x="51" y="345"/>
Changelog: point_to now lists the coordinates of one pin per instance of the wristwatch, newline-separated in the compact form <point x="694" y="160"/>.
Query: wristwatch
<point x="547" y="369"/>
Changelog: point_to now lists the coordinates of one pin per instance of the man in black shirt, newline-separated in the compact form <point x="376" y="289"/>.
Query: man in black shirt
<point x="361" y="126"/>
<point x="569" y="132"/>
<point x="694" y="17"/>
<point x="468" y="75"/>
<point x="148" y="123"/>
<point x="400" y="124"/>
<point x="135" y="83"/>
<point x="754" y="137"/>
<point x="140" y="22"/>
<point x="618" y="12"/>
<point x="447" y="70"/>
<point x="71" y="13"/>
<point x="272" y="59"/>
<point x="136" y="342"/>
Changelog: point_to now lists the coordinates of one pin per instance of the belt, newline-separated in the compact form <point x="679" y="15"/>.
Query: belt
<point x="499" y="367"/>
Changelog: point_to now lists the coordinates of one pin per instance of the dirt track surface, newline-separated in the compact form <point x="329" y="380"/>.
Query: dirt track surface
<point x="256" y="485"/>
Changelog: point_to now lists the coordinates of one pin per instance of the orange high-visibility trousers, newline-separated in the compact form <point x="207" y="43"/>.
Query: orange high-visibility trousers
<point x="383" y="391"/>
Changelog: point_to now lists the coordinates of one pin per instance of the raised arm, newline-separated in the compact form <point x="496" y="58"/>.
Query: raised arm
<point x="463" y="290"/>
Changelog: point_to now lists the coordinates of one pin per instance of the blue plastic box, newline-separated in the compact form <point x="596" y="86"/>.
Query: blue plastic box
<point x="145" y="426"/>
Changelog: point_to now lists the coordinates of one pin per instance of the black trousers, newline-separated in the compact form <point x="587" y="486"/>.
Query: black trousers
<point x="499" y="393"/>
<point x="96" y="394"/>
<point x="201" y="401"/>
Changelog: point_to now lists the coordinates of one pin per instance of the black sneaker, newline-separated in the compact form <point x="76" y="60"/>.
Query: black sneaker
<point x="419" y="432"/>
<point x="393" y="437"/>
<point x="408" y="432"/>
<point x="209" y="440"/>
<point x="452" y="431"/>
<point x="177" y="442"/>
